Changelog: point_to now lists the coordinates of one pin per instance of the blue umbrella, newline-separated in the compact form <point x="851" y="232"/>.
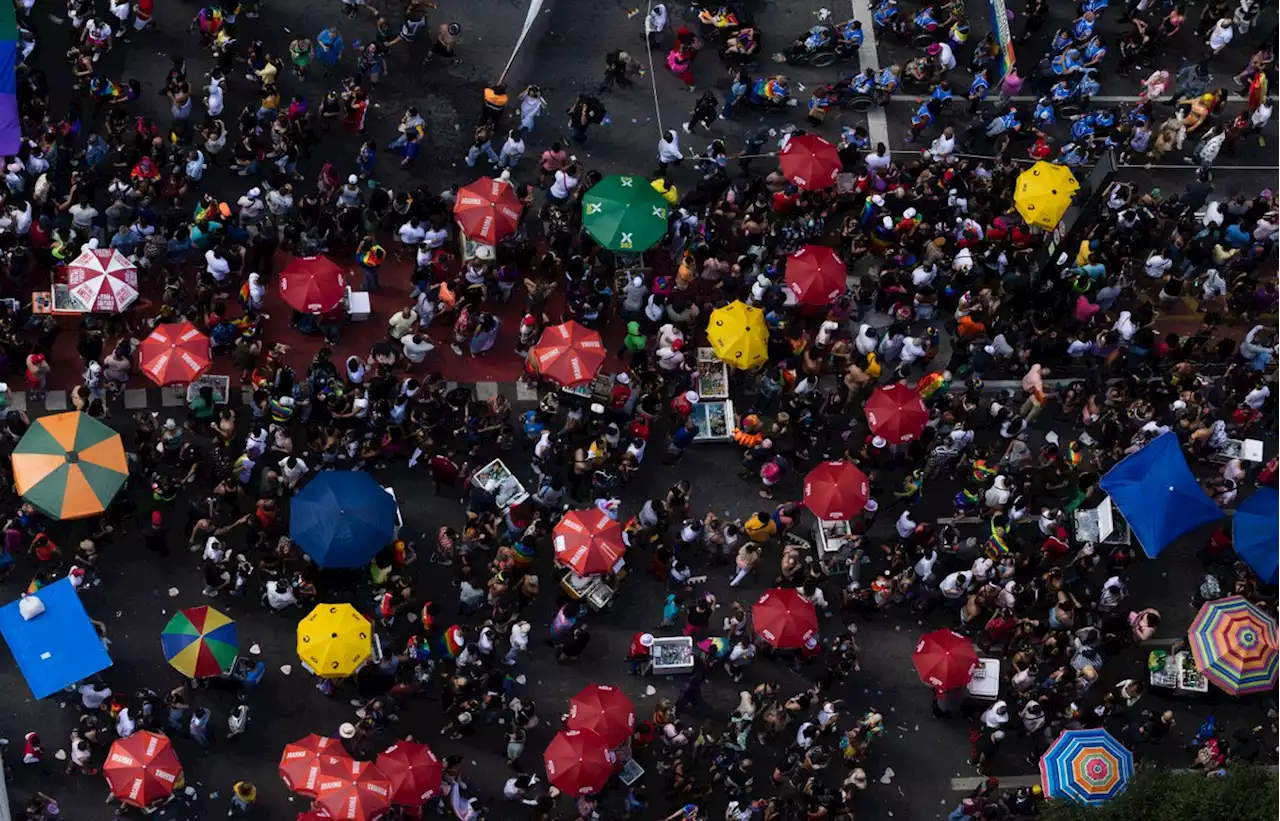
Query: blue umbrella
<point x="342" y="519"/>
<point x="1088" y="766"/>
<point x="1158" y="495"/>
<point x="1254" y="531"/>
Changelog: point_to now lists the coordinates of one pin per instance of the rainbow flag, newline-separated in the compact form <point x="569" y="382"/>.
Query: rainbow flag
<point x="10" y="125"/>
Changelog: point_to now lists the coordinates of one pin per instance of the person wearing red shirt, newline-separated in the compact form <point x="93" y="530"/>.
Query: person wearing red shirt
<point x="682" y="406"/>
<point x="639" y="653"/>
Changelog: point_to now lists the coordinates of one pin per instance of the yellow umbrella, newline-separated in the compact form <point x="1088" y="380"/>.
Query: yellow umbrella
<point x="1043" y="193"/>
<point x="334" y="640"/>
<point x="739" y="336"/>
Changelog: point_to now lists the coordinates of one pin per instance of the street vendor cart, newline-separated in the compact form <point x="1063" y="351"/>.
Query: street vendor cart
<point x="594" y="591"/>
<point x="711" y="380"/>
<point x="714" y="421"/>
<point x="672" y="654"/>
<point x="1177" y="673"/>
<point x="498" y="479"/>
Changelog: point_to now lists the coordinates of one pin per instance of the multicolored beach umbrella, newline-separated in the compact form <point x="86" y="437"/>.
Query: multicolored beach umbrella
<point x="1234" y="645"/>
<point x="69" y="465"/>
<point x="10" y="125"/>
<point x="1088" y="766"/>
<point x="200" y="642"/>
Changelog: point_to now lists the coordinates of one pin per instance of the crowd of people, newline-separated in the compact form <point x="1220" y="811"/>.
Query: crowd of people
<point x="952" y="288"/>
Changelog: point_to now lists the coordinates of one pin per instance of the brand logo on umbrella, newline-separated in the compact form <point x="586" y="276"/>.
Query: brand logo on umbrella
<point x="626" y="241"/>
<point x="594" y="208"/>
<point x="628" y="182"/>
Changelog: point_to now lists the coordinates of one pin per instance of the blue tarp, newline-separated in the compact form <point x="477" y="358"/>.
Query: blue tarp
<point x="1158" y="495"/>
<point x="1256" y="532"/>
<point x="342" y="519"/>
<point x="58" y="647"/>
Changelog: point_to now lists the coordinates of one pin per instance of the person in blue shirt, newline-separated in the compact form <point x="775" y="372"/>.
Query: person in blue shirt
<point x="1087" y="86"/>
<point x="1005" y="122"/>
<point x="1082" y="26"/>
<point x="1094" y="52"/>
<point x="95" y="152"/>
<point x="1061" y="39"/>
<point x="1073" y="154"/>
<point x="941" y="94"/>
<point x="885" y="14"/>
<point x="978" y="90"/>
<point x="922" y="119"/>
<point x="1094" y="6"/>
<point x="1067" y="63"/>
<point x="850" y="33"/>
<point x="1045" y="115"/>
<point x="1237" y="237"/>
<point x="924" y="21"/>
<point x="863" y="83"/>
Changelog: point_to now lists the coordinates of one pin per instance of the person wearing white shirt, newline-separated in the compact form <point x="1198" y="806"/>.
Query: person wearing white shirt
<point x="826" y="333"/>
<point x="1261" y="116"/>
<point x="293" y="469"/>
<point x="215" y="266"/>
<point x="1222" y="35"/>
<point x="1256" y="398"/>
<point x="412" y="232"/>
<point x="946" y="57"/>
<point x="905" y="526"/>
<point x="251" y="206"/>
<point x="512" y="149"/>
<point x="955" y="586"/>
<point x="945" y="143"/>
<point x="93" y="697"/>
<point x="669" y="152"/>
<point x="562" y="184"/>
<point x="435" y="237"/>
<point x="924" y="274"/>
<point x="879" y="160"/>
<point x="213" y="101"/>
<point x="924" y="567"/>
<point x="911" y="351"/>
<point x="280" y="200"/>
<point x="402" y="322"/>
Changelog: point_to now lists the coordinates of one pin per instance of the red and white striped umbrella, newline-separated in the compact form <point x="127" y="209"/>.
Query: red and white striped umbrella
<point x="102" y="282"/>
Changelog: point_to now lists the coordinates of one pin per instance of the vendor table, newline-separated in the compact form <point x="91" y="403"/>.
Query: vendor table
<point x="711" y="380"/>
<point x="221" y="387"/>
<point x="592" y="589"/>
<point x="832" y="536"/>
<point x="1179" y="674"/>
<point x="985" y="683"/>
<point x="672" y="654"/>
<point x="498" y="479"/>
<point x="56" y="301"/>
<point x="714" y="421"/>
<point x="597" y="390"/>
<point x="1250" y="450"/>
<point x="1101" y="525"/>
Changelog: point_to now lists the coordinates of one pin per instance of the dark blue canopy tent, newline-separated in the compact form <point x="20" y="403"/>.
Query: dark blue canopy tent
<point x="1256" y="532"/>
<point x="1158" y="495"/>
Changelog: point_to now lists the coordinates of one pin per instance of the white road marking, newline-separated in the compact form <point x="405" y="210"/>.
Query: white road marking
<point x="877" y="122"/>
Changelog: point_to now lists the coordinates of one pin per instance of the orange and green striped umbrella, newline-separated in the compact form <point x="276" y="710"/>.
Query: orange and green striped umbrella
<point x="69" y="465"/>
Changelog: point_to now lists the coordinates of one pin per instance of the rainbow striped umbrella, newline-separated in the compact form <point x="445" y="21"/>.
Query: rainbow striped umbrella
<point x="1088" y="766"/>
<point x="200" y="642"/>
<point x="1234" y="645"/>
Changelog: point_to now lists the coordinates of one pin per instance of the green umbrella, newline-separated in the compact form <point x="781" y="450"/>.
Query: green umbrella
<point x="624" y="214"/>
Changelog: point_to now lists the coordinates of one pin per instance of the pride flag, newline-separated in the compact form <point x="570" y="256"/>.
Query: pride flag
<point x="10" y="127"/>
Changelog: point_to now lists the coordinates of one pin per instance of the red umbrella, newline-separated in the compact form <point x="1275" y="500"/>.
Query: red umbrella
<point x="604" y="709"/>
<point x="313" y="285"/>
<point x="174" y="354"/>
<point x="142" y="769"/>
<point x="487" y="210"/>
<point x="414" y="772"/>
<point x="816" y="275"/>
<point x="810" y="162"/>
<point x="784" y="618"/>
<point x="352" y="790"/>
<point x="579" y="762"/>
<point x="896" y="413"/>
<point x="836" y="490"/>
<point x="568" y="354"/>
<point x="300" y="762"/>
<point x="944" y="659"/>
<point x="588" y="541"/>
<point x="103" y="281"/>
